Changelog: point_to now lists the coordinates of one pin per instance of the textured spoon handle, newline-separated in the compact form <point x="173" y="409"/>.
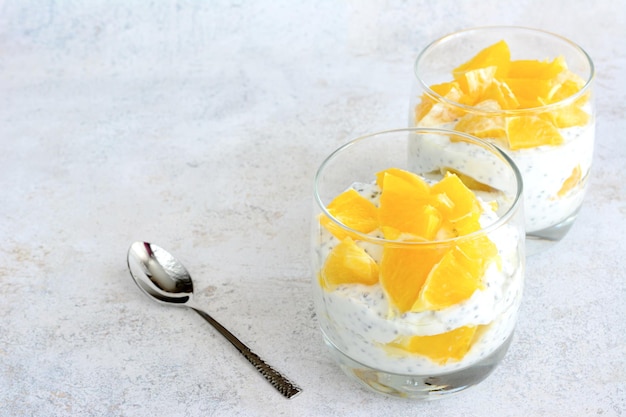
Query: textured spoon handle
<point x="282" y="384"/>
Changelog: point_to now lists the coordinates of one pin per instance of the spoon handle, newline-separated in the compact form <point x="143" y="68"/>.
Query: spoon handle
<point x="282" y="384"/>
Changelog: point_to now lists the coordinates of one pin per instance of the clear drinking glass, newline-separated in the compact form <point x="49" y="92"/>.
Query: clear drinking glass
<point x="541" y="114"/>
<point x="418" y="314"/>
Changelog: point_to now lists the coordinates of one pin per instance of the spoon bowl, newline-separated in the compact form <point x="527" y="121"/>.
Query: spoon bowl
<point x="160" y="275"/>
<point x="166" y="280"/>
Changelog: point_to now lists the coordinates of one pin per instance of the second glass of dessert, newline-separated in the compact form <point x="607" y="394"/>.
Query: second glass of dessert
<point x="418" y="259"/>
<point x="530" y="93"/>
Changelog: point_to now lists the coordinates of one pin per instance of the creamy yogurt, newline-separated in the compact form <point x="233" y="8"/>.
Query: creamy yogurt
<point x="355" y="318"/>
<point x="544" y="169"/>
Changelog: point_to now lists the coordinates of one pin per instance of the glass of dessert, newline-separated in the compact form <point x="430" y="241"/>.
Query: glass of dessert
<point x="530" y="93"/>
<point x="418" y="259"/>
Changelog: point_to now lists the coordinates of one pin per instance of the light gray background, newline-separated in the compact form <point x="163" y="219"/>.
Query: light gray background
<point x="198" y="125"/>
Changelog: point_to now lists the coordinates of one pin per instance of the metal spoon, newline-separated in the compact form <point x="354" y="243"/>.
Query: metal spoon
<point x="165" y="280"/>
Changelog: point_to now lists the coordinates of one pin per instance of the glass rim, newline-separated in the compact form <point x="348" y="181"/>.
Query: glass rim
<point x="502" y="220"/>
<point x="477" y="110"/>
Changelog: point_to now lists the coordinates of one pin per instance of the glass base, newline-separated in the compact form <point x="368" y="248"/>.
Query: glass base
<point x="419" y="387"/>
<point x="541" y="240"/>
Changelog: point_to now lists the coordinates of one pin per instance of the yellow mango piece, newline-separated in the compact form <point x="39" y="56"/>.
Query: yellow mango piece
<point x="465" y="201"/>
<point x="354" y="211"/>
<point x="403" y="271"/>
<point x="492" y="127"/>
<point x="529" y="91"/>
<point x="566" y="85"/>
<point x="469" y="181"/>
<point x="458" y="275"/>
<point x="569" y="116"/>
<point x="572" y="181"/>
<point x="405" y="207"/>
<point x="535" y="69"/>
<point x="440" y="348"/>
<point x="497" y="55"/>
<point x="531" y="131"/>
<point x="432" y="111"/>
<point x="474" y="83"/>
<point x="415" y="180"/>
<point x="501" y="93"/>
<point x="348" y="263"/>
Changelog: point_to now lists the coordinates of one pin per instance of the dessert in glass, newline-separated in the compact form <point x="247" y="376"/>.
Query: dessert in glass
<point x="418" y="259"/>
<point x="530" y="93"/>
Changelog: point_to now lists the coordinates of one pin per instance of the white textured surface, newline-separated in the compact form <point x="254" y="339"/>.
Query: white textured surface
<point x="198" y="126"/>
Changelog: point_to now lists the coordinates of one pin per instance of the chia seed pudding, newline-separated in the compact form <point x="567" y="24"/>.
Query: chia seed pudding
<point x="544" y="170"/>
<point x="356" y="318"/>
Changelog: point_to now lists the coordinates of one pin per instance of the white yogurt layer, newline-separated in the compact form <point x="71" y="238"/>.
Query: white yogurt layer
<point x="356" y="319"/>
<point x="544" y="169"/>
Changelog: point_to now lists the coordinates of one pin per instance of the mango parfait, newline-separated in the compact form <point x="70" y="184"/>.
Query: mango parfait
<point x="540" y="111"/>
<point x="412" y="277"/>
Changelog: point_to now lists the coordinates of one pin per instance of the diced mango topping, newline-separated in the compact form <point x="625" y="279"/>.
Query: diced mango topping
<point x="430" y="112"/>
<point x="531" y="131"/>
<point x="497" y="55"/>
<point x="440" y="348"/>
<point x="458" y="274"/>
<point x="491" y="81"/>
<point x="353" y="210"/>
<point x="348" y="263"/>
<point x="572" y="181"/>
<point x="403" y="272"/>
<point x="414" y="277"/>
<point x="405" y="208"/>
<point x="470" y="182"/>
